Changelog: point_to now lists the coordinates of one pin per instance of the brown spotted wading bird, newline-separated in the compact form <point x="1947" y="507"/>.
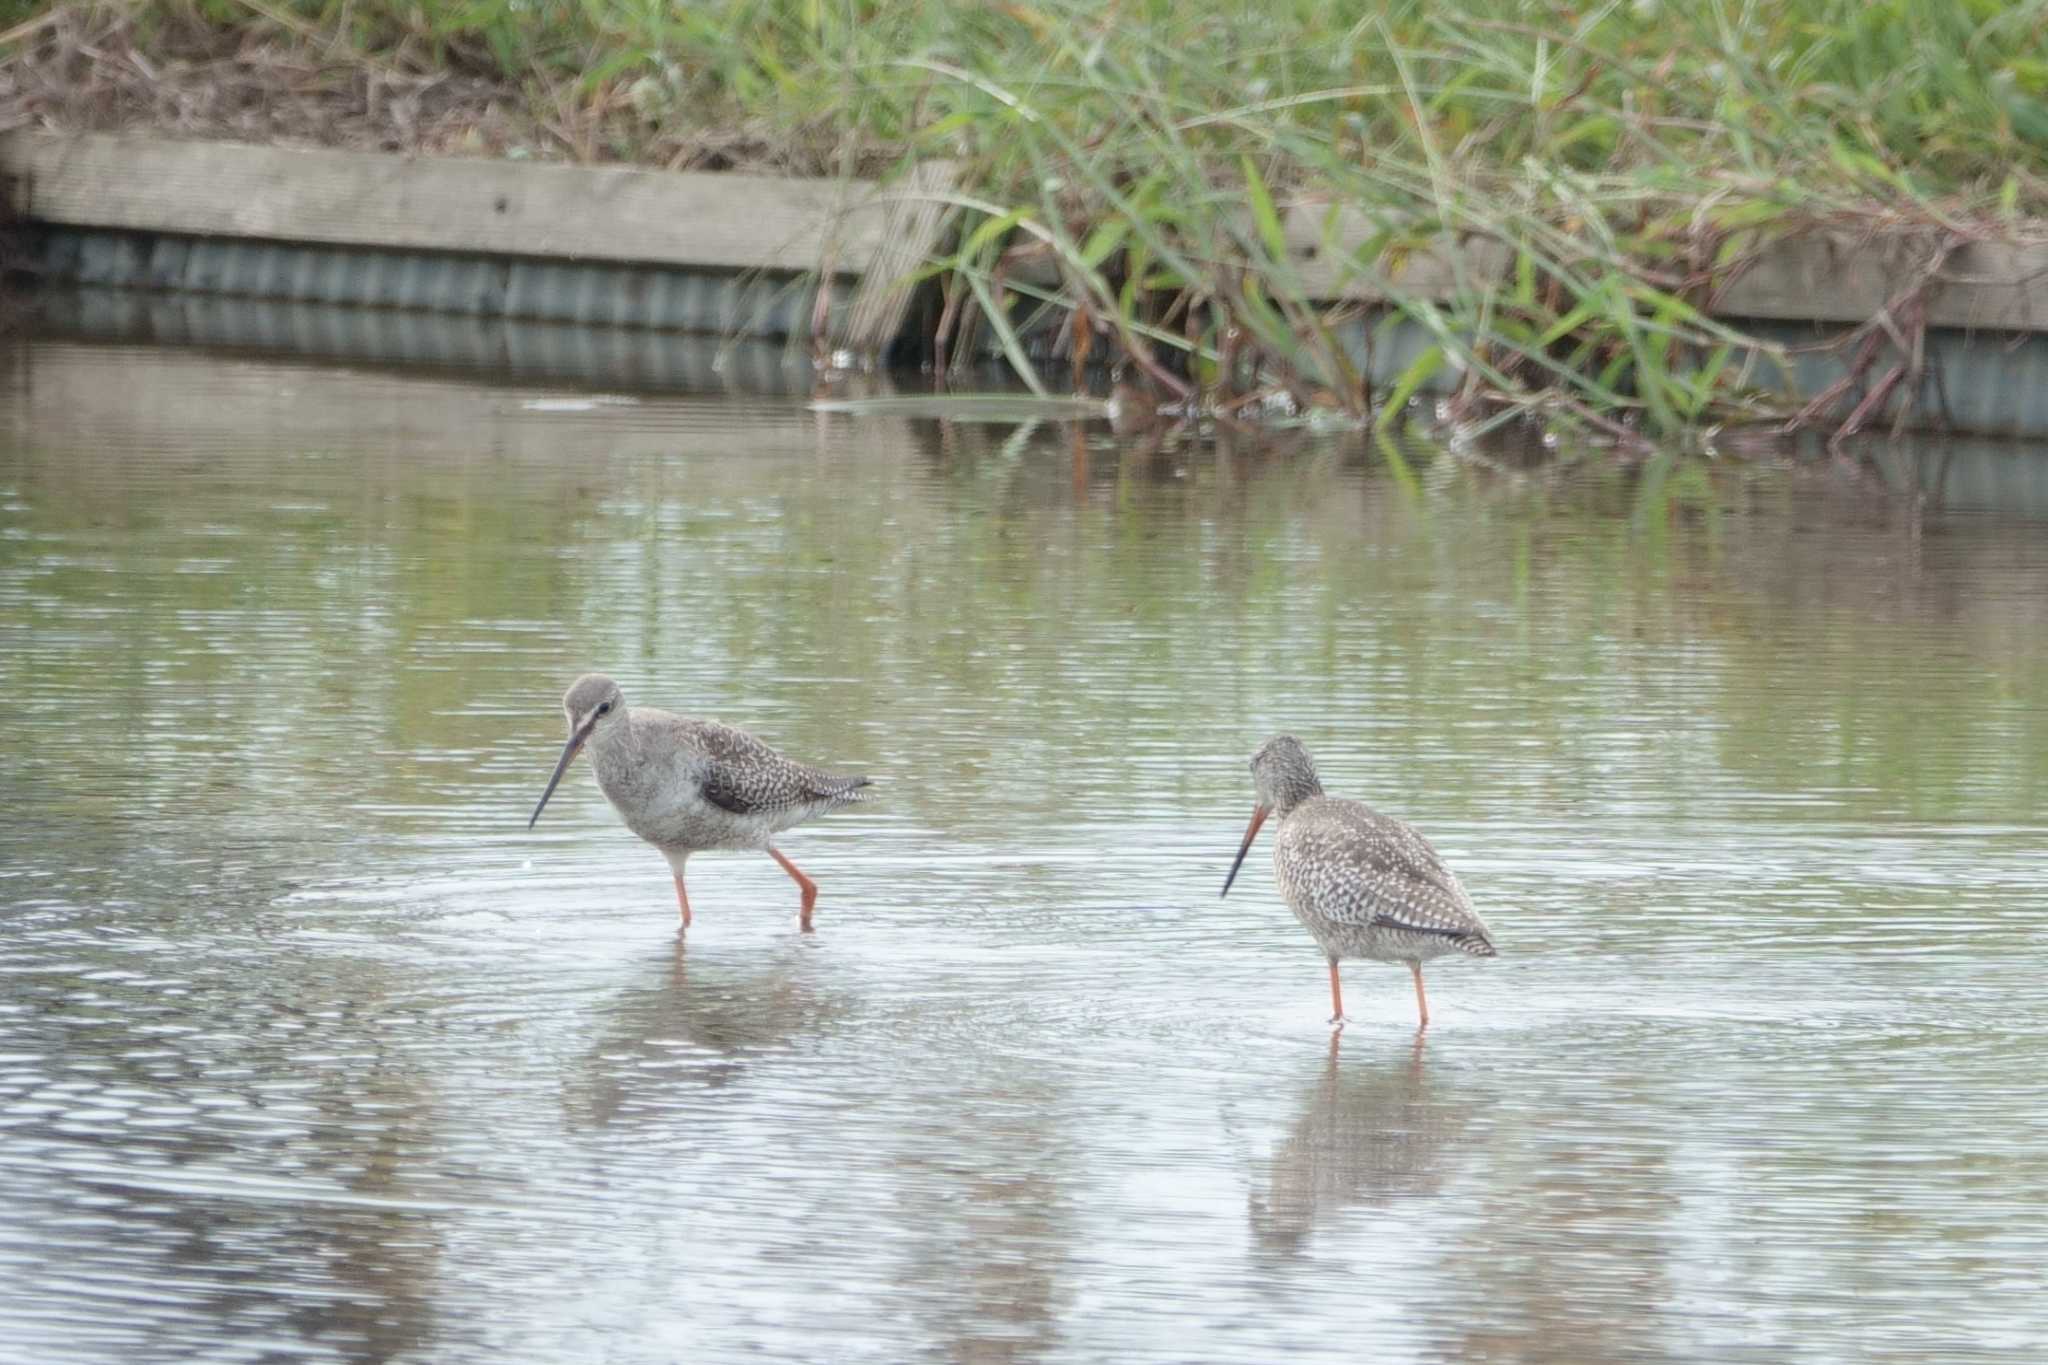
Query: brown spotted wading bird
<point x="1365" y="884"/>
<point x="686" y="785"/>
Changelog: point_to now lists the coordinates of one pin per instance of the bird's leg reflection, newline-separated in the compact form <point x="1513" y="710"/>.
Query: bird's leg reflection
<point x="1366" y="1135"/>
<point x="697" y="1021"/>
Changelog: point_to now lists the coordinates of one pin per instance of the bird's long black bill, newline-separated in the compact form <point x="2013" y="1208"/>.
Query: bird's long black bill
<point x="568" y="752"/>
<point x="1251" y="833"/>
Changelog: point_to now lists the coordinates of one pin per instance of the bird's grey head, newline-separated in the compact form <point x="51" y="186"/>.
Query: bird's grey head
<point x="593" y="700"/>
<point x="593" y="704"/>
<point x="1285" y="777"/>
<point x="1284" y="774"/>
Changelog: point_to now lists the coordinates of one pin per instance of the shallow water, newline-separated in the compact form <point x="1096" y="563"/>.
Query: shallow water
<point x="308" y="1049"/>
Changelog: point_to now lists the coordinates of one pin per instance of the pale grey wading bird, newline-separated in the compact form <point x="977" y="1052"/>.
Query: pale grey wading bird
<point x="1363" y="884"/>
<point x="687" y="786"/>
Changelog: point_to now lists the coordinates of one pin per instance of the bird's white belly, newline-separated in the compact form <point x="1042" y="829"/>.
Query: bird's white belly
<point x="676" y="817"/>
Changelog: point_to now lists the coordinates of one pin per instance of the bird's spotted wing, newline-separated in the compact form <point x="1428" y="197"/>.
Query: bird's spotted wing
<point x="740" y="774"/>
<point x="1391" y="877"/>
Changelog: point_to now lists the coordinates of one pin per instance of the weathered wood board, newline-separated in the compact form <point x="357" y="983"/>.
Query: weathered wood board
<point x="1836" y="277"/>
<point x="1820" y="277"/>
<point x="450" y="203"/>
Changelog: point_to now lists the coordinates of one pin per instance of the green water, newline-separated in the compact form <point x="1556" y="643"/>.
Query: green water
<point x="308" y="1049"/>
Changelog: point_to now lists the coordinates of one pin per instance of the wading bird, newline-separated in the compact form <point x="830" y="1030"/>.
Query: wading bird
<point x="686" y="785"/>
<point x="1363" y="884"/>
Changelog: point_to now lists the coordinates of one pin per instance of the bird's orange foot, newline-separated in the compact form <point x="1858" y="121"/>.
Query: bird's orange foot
<point x="808" y="887"/>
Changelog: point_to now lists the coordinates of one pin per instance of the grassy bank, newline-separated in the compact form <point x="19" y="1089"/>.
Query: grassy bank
<point x="1187" y="185"/>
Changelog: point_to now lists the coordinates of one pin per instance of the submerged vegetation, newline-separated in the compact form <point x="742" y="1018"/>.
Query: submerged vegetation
<point x="1231" y="200"/>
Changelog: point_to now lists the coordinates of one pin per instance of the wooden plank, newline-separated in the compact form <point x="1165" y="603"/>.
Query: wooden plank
<point x="610" y="213"/>
<point x="1836" y="277"/>
<point x="1321" y="243"/>
<point x="1820" y="277"/>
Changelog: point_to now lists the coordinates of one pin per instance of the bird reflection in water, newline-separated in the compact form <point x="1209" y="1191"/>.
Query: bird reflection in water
<point x="1366" y="1136"/>
<point x="701" y="1026"/>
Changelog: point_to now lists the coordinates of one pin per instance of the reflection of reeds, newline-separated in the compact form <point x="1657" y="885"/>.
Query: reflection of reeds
<point x="1366" y="1136"/>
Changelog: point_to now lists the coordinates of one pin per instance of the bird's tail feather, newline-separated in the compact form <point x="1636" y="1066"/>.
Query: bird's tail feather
<point x="848" y="788"/>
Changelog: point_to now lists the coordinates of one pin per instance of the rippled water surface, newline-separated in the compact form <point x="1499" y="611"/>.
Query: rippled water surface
<point x="309" y="1050"/>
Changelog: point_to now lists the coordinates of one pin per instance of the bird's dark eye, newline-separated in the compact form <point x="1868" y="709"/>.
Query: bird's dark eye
<point x="604" y="708"/>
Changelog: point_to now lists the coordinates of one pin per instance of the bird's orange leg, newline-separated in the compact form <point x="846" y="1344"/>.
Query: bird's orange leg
<point x="810" y="887"/>
<point x="683" y="899"/>
<point x="1421" y="1000"/>
<point x="1336" y="995"/>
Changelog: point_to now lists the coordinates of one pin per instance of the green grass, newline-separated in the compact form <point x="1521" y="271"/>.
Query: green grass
<point x="1139" y="163"/>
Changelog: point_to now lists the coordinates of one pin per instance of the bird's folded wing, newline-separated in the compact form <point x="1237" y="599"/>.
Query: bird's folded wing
<point x="740" y="774"/>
